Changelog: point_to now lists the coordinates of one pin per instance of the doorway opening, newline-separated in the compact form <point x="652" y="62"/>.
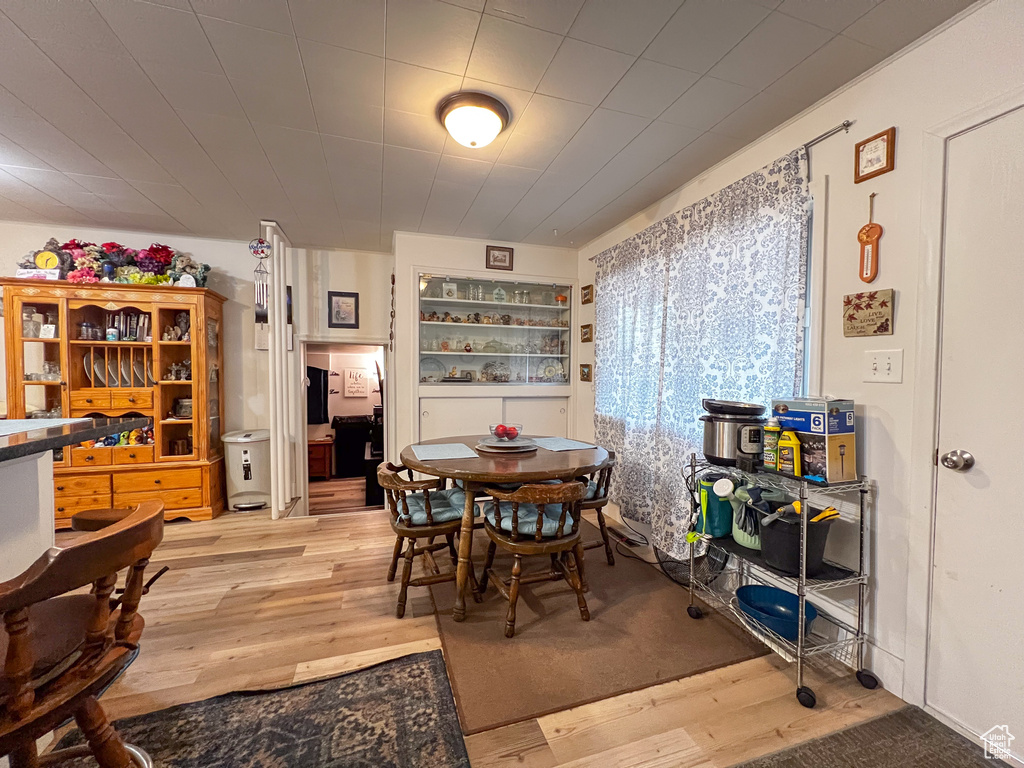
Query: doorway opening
<point x="345" y="424"/>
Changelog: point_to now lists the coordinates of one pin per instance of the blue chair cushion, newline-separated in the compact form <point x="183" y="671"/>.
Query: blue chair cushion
<point x="528" y="519"/>
<point x="444" y="506"/>
<point x="591" y="491"/>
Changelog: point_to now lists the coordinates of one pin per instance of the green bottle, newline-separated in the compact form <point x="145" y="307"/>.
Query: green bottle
<point x="772" y="430"/>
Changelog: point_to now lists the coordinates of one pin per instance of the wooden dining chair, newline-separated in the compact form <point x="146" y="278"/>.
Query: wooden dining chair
<point x="596" y="498"/>
<point x="420" y="509"/>
<point x="535" y="519"/>
<point x="62" y="650"/>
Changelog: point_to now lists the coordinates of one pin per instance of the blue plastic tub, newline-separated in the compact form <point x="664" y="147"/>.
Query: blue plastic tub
<point x="776" y="609"/>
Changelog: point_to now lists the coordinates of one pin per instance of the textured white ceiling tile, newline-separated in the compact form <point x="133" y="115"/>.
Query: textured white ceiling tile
<point x="416" y="89"/>
<point x="583" y="72"/>
<point x="361" y="235"/>
<point x="430" y="33"/>
<point x="287" y="107"/>
<point x="14" y="154"/>
<point x="255" y="54"/>
<point x="345" y="156"/>
<point x="356" y="175"/>
<point x="447" y="206"/>
<point x="626" y="27"/>
<point x="354" y="24"/>
<point x="132" y="201"/>
<point x="545" y="127"/>
<point x="514" y="99"/>
<point x="549" y="192"/>
<point x="350" y="121"/>
<point x="13" y="211"/>
<point x="511" y="54"/>
<point x="343" y="74"/>
<point x="159" y="33"/>
<point x="836" y="63"/>
<point x="298" y="160"/>
<point x="893" y="24"/>
<point x="473" y="5"/>
<point x="830" y="15"/>
<point x="461" y="170"/>
<point x="360" y="195"/>
<point x="193" y="89"/>
<point x="600" y="138"/>
<point x="407" y="129"/>
<point x="703" y="31"/>
<point x="265" y="14"/>
<point x="75" y="25"/>
<point x="707" y="102"/>
<point x="758" y="116"/>
<point x="775" y="46"/>
<point x="102" y="185"/>
<point x="504" y="188"/>
<point x="552" y="15"/>
<point x="648" y="88"/>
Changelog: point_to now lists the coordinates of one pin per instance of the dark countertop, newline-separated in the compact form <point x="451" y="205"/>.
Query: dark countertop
<point x="34" y="441"/>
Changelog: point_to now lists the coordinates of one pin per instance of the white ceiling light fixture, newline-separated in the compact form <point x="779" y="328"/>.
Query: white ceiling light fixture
<point x="473" y="119"/>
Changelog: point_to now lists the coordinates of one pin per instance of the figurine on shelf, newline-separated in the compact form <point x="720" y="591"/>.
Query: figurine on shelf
<point x="170" y="332"/>
<point x="445" y="346"/>
<point x="423" y="315"/>
<point x="181" y="265"/>
<point x="474" y="318"/>
<point x="447" y="317"/>
<point x="506" y="319"/>
<point x="468" y="347"/>
<point x="173" y="372"/>
<point x="186" y="371"/>
<point x="457" y="319"/>
<point x="432" y="317"/>
<point x="184" y="324"/>
<point x="486" y="320"/>
<point x="454" y="373"/>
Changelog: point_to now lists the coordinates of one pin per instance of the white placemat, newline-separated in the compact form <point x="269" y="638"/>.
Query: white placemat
<point x="443" y="451"/>
<point x="14" y="426"/>
<point x="562" y="444"/>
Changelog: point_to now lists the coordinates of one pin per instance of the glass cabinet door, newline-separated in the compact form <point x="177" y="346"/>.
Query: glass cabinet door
<point x="493" y="331"/>
<point x="41" y="375"/>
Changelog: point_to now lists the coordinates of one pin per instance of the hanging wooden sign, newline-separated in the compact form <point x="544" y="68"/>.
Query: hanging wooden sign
<point x="868" y="238"/>
<point x="869" y="313"/>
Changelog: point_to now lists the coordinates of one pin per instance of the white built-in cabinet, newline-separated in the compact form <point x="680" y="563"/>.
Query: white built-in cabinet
<point x="490" y="351"/>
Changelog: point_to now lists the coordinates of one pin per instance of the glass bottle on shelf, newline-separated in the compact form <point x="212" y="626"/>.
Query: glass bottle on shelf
<point x="29" y="325"/>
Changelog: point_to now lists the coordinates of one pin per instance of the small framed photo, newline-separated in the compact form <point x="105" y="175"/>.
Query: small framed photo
<point x="449" y="290"/>
<point x="499" y="257"/>
<point x="469" y="375"/>
<point x="874" y="156"/>
<point x="587" y="332"/>
<point x="586" y="372"/>
<point x="587" y="294"/>
<point x="342" y="309"/>
<point x="48" y="331"/>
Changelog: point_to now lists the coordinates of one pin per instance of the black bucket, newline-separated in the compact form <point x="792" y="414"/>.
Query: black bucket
<point x="780" y="544"/>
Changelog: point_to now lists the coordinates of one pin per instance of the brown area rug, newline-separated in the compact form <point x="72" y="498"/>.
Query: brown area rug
<point x="638" y="635"/>
<point x="398" y="714"/>
<point x="907" y="738"/>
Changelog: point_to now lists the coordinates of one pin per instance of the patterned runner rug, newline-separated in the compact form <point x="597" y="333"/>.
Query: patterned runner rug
<point x="399" y="714"/>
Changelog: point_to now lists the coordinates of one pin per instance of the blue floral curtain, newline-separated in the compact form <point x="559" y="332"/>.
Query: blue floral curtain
<point x="707" y="302"/>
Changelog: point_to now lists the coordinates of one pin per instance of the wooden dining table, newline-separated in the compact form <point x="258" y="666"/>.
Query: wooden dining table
<point x="490" y="468"/>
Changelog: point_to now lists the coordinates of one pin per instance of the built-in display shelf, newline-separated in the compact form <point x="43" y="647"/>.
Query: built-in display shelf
<point x="495" y="304"/>
<point x="492" y="325"/>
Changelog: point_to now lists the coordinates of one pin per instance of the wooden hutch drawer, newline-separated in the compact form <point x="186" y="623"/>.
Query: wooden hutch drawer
<point x="179" y="498"/>
<point x="133" y="454"/>
<point x="159" y="480"/>
<point x="81" y="485"/>
<point x="66" y="507"/>
<point x="138" y="399"/>
<point x="91" y="457"/>
<point x="90" y="400"/>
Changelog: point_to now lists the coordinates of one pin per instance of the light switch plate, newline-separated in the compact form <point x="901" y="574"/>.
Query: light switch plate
<point x="883" y="366"/>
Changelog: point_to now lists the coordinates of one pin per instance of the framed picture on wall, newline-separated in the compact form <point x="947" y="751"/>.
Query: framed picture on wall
<point x="874" y="156"/>
<point x="499" y="257"/>
<point x="587" y="294"/>
<point x="587" y="332"/>
<point x="357" y="383"/>
<point x="342" y="309"/>
<point x="586" y="372"/>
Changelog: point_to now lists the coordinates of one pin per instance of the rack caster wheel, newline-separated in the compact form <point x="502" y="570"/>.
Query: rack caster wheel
<point x="694" y="612"/>
<point x="867" y="679"/>
<point x="806" y="697"/>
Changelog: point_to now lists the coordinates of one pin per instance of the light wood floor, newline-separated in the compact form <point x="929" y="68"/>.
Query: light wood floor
<point x="253" y="603"/>
<point x="340" y="494"/>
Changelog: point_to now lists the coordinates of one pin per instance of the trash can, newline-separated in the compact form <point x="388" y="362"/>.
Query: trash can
<point x="350" y="436"/>
<point x="247" y="465"/>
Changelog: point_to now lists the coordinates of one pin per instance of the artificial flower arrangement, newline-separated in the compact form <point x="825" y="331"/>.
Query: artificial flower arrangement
<point x="80" y="262"/>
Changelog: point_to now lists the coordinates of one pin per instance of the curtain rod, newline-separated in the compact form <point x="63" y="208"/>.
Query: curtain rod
<point x="843" y="126"/>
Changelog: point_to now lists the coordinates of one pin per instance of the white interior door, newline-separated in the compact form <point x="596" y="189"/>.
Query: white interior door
<point x="975" y="665"/>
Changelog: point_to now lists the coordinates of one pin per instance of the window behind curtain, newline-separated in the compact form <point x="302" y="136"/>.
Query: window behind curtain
<point x="707" y="302"/>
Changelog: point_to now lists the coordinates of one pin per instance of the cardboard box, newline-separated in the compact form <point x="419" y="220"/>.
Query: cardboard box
<point x="827" y="433"/>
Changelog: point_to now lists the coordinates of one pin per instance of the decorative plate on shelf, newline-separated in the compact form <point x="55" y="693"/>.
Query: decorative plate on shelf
<point x="496" y="370"/>
<point x="551" y="369"/>
<point x="432" y="370"/>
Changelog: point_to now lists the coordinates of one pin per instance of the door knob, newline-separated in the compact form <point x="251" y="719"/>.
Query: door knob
<point x="959" y="461"/>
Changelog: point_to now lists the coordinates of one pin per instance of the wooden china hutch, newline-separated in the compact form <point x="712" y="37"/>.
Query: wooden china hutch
<point x="99" y="363"/>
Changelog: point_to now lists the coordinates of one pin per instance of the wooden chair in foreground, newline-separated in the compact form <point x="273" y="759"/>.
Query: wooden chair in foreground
<point x="62" y="650"/>
<point x="535" y="520"/>
<point x="596" y="498"/>
<point x="420" y="509"/>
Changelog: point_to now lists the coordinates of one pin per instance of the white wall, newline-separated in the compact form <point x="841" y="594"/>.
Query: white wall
<point x="966" y="64"/>
<point x="417" y="253"/>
